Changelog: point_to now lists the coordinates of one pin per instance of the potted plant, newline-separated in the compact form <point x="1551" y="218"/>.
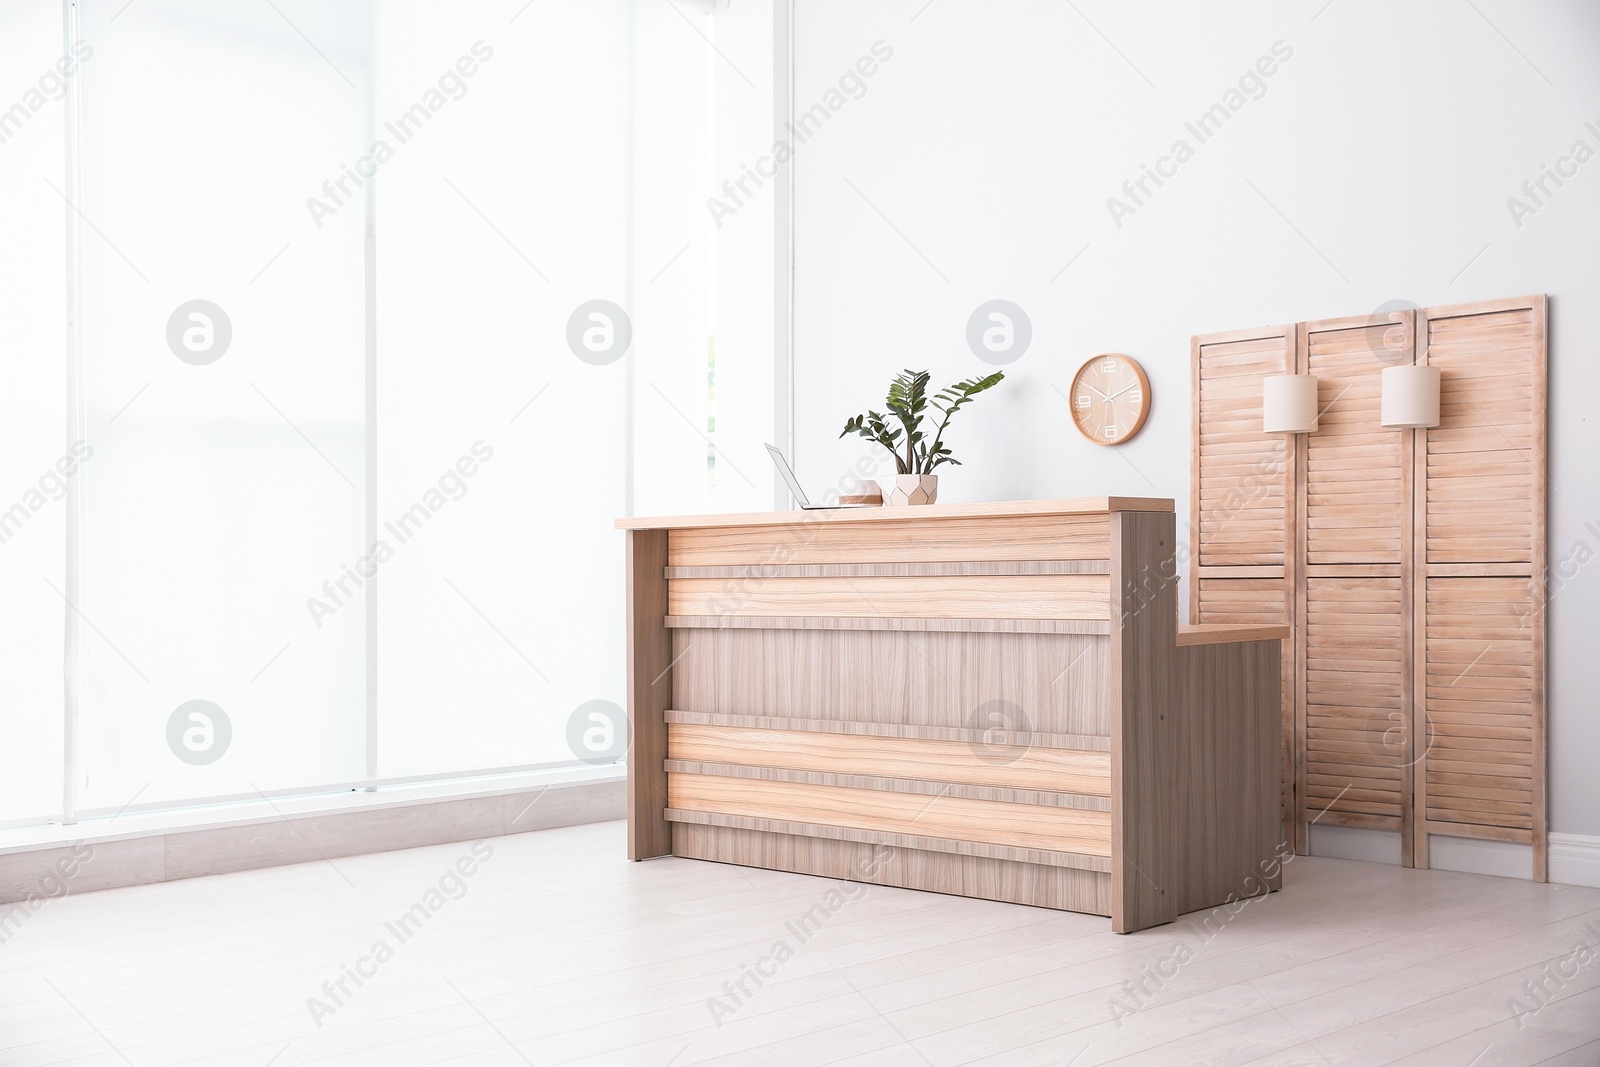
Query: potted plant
<point x="916" y="455"/>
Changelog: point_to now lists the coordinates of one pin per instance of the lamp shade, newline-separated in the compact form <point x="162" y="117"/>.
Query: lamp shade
<point x="1410" y="397"/>
<point x="1289" y="403"/>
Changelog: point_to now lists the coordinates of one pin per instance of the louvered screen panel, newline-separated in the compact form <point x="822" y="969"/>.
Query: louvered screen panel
<point x="1480" y="595"/>
<point x="1485" y="460"/>
<point x="1356" y="740"/>
<point x="1481" y="668"/>
<point x="1244" y="601"/>
<point x="1241" y="473"/>
<point x="1357" y="493"/>
<point x="1257" y="601"/>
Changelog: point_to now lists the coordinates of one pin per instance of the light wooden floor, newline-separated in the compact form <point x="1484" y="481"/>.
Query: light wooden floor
<point x="558" y="951"/>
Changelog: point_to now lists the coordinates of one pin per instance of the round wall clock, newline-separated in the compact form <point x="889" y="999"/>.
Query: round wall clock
<point x="1110" y="399"/>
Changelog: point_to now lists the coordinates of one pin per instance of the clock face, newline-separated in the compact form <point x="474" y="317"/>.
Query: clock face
<point x="1110" y="399"/>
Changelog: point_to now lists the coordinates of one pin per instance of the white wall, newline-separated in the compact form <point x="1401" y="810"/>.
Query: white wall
<point x="1375" y="166"/>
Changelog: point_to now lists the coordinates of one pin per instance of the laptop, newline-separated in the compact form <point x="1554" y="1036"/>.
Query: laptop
<point x="799" y="493"/>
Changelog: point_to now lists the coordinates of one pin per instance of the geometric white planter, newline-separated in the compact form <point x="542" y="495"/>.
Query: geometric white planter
<point x="910" y="489"/>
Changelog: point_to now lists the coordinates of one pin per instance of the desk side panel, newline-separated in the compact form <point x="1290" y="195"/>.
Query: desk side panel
<point x="1143" y="695"/>
<point x="649" y="694"/>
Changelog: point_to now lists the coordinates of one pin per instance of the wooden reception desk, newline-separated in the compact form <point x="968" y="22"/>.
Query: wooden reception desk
<point x="992" y="700"/>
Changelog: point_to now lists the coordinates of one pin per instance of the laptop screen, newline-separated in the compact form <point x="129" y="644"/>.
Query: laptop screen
<point x="788" y="476"/>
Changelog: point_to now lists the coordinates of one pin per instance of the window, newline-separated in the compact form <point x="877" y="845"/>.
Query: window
<point x="388" y="309"/>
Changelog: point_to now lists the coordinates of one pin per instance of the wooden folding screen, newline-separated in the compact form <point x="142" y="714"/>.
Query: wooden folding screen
<point x="1409" y="562"/>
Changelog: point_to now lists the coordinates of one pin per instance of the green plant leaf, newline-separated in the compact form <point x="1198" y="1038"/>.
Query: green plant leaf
<point x="907" y="402"/>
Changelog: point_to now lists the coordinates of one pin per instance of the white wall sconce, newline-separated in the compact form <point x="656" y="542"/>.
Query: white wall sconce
<point x="1289" y="403"/>
<point x="1410" y="397"/>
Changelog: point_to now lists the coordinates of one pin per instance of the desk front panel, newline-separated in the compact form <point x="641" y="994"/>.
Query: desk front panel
<point x="1016" y="538"/>
<point x="974" y="748"/>
<point x="934" y="685"/>
<point x="871" y="596"/>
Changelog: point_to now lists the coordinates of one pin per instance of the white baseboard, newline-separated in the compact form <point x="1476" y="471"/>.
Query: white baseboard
<point x="102" y="860"/>
<point x="1348" y="843"/>
<point x="1575" y="859"/>
<point x="1503" y="859"/>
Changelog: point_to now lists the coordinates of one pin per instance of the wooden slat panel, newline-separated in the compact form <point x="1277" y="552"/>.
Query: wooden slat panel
<point x="1023" y="537"/>
<point x="952" y="818"/>
<point x="1240" y="474"/>
<point x="1026" y="767"/>
<point x="1353" y="819"/>
<point x="1271" y="570"/>
<point x="1485" y="460"/>
<point x="910" y="868"/>
<point x="1243" y="601"/>
<point x="1049" y="683"/>
<point x="1479" y="694"/>
<point x="853" y="570"/>
<point x="1074" y="860"/>
<point x="1479" y="502"/>
<point x="899" y="785"/>
<point x="1484" y="833"/>
<point x="1354" y="525"/>
<point x="1041" y="596"/>
<point x="965" y="735"/>
<point x="1359" y="518"/>
<point x="888" y="622"/>
<point x="1354" y="675"/>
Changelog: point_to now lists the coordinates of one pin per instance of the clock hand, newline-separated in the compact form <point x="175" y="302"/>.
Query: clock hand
<point x="1096" y="392"/>
<point x="1124" y="389"/>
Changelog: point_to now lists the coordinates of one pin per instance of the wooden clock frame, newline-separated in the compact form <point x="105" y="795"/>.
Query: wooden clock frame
<point x="1144" y="391"/>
